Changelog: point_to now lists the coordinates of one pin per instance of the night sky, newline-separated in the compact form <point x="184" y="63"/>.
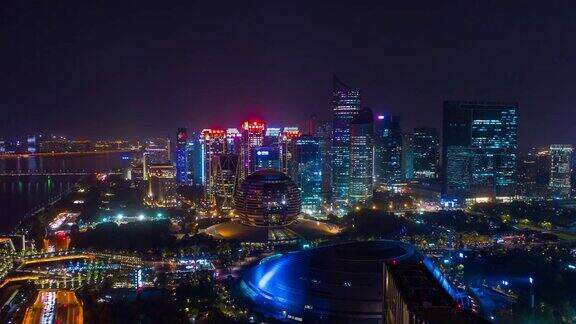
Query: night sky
<point x="125" y="68"/>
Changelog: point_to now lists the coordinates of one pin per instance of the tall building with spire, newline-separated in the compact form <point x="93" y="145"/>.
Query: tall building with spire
<point x="345" y="105"/>
<point x="181" y="156"/>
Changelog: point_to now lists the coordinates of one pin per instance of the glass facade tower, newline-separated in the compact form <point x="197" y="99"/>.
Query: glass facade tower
<point x="479" y="148"/>
<point x="309" y="174"/>
<point x="425" y="144"/>
<point x="181" y="156"/>
<point x="346" y="104"/>
<point x="388" y="146"/>
<point x="361" y="157"/>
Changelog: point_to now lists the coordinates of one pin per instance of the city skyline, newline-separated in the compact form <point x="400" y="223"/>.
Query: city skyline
<point x="95" y="65"/>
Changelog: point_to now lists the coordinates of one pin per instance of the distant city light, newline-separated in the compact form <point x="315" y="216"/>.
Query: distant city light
<point x="141" y="217"/>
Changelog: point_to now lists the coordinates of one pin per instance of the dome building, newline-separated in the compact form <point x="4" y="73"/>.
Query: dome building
<point x="267" y="198"/>
<point x="268" y="206"/>
<point x="354" y="282"/>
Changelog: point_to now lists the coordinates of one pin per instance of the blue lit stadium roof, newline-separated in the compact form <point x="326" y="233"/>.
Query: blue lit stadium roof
<point x="336" y="280"/>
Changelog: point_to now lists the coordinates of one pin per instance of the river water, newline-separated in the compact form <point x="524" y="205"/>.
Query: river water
<point x="25" y="185"/>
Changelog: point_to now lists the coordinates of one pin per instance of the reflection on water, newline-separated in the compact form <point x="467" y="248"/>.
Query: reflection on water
<point x="23" y="194"/>
<point x="64" y="163"/>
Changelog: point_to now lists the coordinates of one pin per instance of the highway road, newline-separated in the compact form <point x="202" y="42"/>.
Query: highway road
<point x="55" y="306"/>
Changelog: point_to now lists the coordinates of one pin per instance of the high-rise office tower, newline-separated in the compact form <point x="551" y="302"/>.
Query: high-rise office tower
<point x="361" y="157"/>
<point x="233" y="141"/>
<point x="272" y="136"/>
<point x="542" y="157"/>
<point x="225" y="167"/>
<point x="346" y="104"/>
<point x="388" y="146"/>
<point x="195" y="159"/>
<point x="425" y="145"/>
<point x="287" y="150"/>
<point x="308" y="158"/>
<point x="161" y="186"/>
<point x="264" y="157"/>
<point x="156" y="151"/>
<point x="479" y="147"/>
<point x="560" y="170"/>
<point x="528" y="175"/>
<point x="181" y="156"/>
<point x="213" y="146"/>
<point x="324" y="135"/>
<point x="252" y="137"/>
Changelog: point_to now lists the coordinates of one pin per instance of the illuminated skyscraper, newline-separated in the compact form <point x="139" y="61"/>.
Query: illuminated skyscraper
<point x="224" y="175"/>
<point x="288" y="150"/>
<point x="560" y="170"/>
<point x="213" y="146"/>
<point x="156" y="151"/>
<point x="388" y="150"/>
<point x="161" y="186"/>
<point x="361" y="157"/>
<point x="479" y="144"/>
<point x="264" y="157"/>
<point x="425" y="144"/>
<point x="181" y="156"/>
<point x="233" y="141"/>
<point x="528" y="175"/>
<point x="308" y="158"/>
<point x="346" y="104"/>
<point x="195" y="159"/>
<point x="272" y="136"/>
<point x="252" y="137"/>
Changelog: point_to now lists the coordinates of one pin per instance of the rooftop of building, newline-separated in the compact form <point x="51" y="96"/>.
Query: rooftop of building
<point x="426" y="297"/>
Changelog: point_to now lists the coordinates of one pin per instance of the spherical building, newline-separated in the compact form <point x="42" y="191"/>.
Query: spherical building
<point x="267" y="198"/>
<point x="268" y="204"/>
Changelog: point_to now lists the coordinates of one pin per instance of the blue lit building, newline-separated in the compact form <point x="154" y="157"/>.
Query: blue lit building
<point x="181" y="156"/>
<point x="388" y="150"/>
<point x="361" y="157"/>
<point x="272" y="136"/>
<point x="264" y="157"/>
<point x="346" y="104"/>
<point x="194" y="158"/>
<point x="355" y="282"/>
<point x="479" y="148"/>
<point x="309" y="173"/>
